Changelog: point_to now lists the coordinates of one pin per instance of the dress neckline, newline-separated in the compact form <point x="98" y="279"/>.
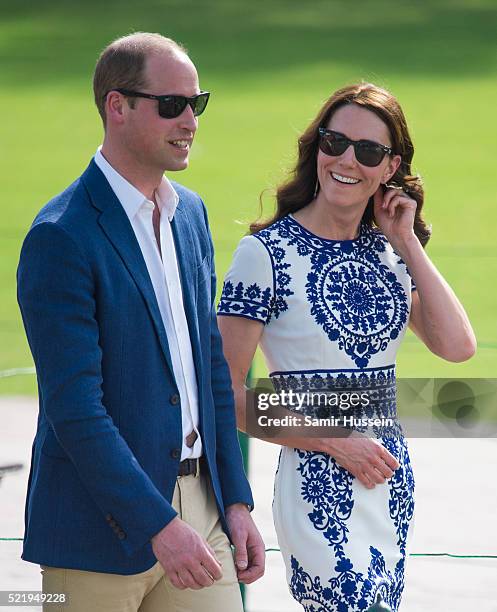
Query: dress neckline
<point x="350" y="241"/>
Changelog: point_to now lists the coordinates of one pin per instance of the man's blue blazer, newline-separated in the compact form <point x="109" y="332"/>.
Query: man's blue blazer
<point x="107" y="447"/>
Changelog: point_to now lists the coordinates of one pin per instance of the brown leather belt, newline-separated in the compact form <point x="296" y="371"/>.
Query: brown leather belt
<point x="190" y="466"/>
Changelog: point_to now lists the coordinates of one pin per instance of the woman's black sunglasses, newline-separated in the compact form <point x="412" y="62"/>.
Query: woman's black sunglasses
<point x="171" y="106"/>
<point x="367" y="152"/>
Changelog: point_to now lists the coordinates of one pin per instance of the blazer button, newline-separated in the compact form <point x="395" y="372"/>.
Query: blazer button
<point x="174" y="399"/>
<point x="121" y="535"/>
<point x="176" y="453"/>
<point x="112" y="523"/>
<point x="108" y="517"/>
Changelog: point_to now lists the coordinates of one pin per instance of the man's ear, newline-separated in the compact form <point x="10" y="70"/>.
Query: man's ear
<point x="391" y="168"/>
<point x="114" y="107"/>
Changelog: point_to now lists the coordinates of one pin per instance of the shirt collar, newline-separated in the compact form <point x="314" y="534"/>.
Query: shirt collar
<point x="130" y="197"/>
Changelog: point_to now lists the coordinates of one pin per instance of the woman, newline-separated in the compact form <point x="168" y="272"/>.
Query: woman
<point x="328" y="287"/>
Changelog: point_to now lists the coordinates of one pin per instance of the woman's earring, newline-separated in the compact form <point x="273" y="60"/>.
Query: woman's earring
<point x="316" y="188"/>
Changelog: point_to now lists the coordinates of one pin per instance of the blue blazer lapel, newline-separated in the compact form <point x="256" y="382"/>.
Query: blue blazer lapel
<point x="185" y="253"/>
<point x="115" y="224"/>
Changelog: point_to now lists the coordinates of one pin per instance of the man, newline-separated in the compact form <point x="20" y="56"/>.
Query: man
<point x="136" y="472"/>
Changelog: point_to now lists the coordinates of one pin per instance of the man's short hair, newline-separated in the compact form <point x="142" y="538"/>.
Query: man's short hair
<point x="122" y="64"/>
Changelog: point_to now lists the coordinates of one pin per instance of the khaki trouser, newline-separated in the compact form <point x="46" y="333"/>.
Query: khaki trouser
<point x="151" y="591"/>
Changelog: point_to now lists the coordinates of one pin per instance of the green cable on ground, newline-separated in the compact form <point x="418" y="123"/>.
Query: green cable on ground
<point x="427" y="555"/>
<point x="452" y="555"/>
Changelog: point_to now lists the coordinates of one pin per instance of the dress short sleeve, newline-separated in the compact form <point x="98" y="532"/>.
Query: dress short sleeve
<point x="248" y="289"/>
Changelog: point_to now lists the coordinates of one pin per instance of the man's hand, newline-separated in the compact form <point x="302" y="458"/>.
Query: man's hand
<point x="249" y="547"/>
<point x="365" y="458"/>
<point x="188" y="560"/>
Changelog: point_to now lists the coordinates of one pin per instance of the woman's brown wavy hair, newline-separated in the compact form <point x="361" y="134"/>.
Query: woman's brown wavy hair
<point x="300" y="189"/>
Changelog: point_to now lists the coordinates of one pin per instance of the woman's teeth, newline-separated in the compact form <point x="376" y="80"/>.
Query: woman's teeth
<point x="344" y="179"/>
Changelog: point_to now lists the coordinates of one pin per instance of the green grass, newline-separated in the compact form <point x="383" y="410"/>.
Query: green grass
<point x="269" y="66"/>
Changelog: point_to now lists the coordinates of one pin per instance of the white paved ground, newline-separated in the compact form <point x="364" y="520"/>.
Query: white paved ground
<point x="456" y="497"/>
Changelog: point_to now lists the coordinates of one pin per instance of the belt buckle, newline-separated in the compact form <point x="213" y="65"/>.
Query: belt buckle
<point x="192" y="466"/>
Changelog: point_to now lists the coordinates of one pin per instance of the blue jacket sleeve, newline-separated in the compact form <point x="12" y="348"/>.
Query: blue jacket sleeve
<point x="56" y="296"/>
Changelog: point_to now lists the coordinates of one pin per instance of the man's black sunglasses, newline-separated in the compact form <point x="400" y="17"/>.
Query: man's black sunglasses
<point x="367" y="152"/>
<point x="172" y="106"/>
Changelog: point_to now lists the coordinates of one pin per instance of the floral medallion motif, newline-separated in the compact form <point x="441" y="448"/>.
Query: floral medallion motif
<point x="356" y="299"/>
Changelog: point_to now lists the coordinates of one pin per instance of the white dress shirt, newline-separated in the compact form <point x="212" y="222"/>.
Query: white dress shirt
<point x="165" y="278"/>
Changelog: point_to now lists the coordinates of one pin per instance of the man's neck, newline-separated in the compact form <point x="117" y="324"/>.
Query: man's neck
<point x="145" y="180"/>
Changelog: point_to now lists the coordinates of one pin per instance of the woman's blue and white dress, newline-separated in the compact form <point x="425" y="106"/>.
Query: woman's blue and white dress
<point x="333" y="311"/>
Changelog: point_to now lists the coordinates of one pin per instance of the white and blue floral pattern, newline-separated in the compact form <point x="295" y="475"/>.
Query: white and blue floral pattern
<point x="251" y="302"/>
<point x="334" y="313"/>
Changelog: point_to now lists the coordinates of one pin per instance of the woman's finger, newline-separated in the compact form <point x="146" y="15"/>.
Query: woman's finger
<point x="400" y="200"/>
<point x="367" y="481"/>
<point x="389" y="194"/>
